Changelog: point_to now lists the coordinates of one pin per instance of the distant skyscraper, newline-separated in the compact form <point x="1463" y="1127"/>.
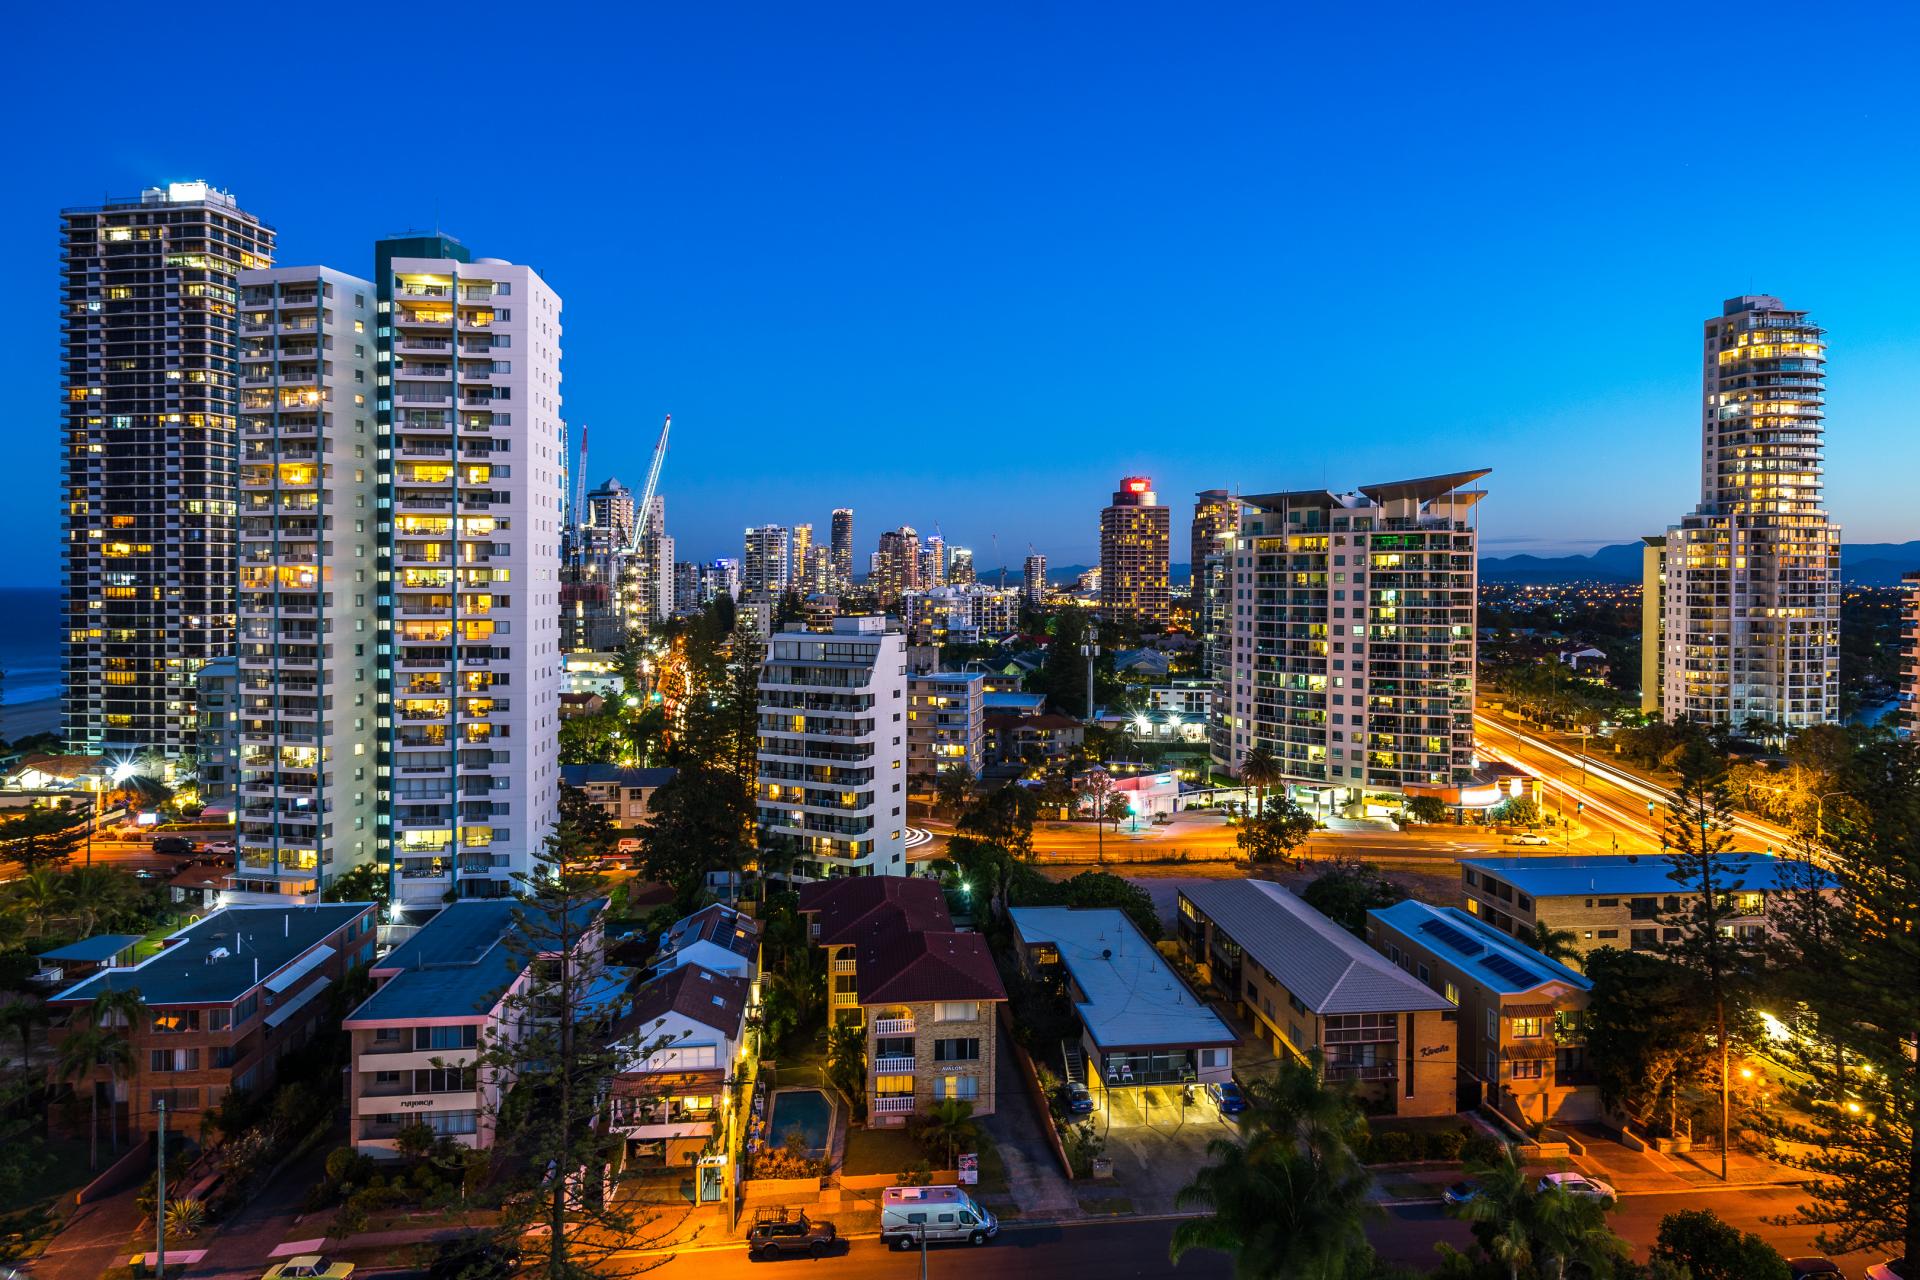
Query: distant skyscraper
<point x="896" y="565"/>
<point x="799" y="555"/>
<point x="654" y="566"/>
<point x="149" y="396"/>
<point x="933" y="562"/>
<point x="1653" y="623"/>
<point x="768" y="564"/>
<point x="960" y="567"/>
<point x="1752" y="611"/>
<point x="610" y="509"/>
<point x="1366" y="686"/>
<point x="842" y="548"/>
<point x="1135" y="531"/>
<point x="1035" y="581"/>
<point x="1216" y="518"/>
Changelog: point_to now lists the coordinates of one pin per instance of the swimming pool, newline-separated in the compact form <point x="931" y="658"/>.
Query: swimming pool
<point x="806" y="1110"/>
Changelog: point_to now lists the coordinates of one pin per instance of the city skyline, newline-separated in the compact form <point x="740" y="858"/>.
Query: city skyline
<point x="1147" y="309"/>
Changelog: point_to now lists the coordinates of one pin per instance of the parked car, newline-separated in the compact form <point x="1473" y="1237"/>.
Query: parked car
<point x="1461" y="1192"/>
<point x="1528" y="838"/>
<point x="1891" y="1269"/>
<point x="309" y="1266"/>
<point x="1575" y="1184"/>
<point x="774" y="1231"/>
<point x="1076" y="1099"/>
<point x="218" y="848"/>
<point x="173" y="846"/>
<point x="1814" y="1268"/>
<point x="1226" y="1096"/>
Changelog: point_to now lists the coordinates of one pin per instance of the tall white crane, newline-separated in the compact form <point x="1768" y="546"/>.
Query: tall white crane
<point x="653" y="481"/>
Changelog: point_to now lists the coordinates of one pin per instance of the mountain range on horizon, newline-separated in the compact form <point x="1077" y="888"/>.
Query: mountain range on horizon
<point x="1866" y="564"/>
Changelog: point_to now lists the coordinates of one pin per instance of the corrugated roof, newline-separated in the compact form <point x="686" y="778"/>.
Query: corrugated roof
<point x="1134" y="999"/>
<point x="258" y="942"/>
<point x="1563" y="875"/>
<point x="1327" y="968"/>
<point x="457" y="965"/>
<point x="95" y="950"/>
<point x="1469" y="944"/>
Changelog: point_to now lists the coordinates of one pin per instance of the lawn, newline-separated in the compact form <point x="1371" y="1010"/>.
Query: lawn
<point x="872" y="1151"/>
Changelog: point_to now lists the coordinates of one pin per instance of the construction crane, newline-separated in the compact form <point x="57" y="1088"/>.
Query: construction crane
<point x="653" y="481"/>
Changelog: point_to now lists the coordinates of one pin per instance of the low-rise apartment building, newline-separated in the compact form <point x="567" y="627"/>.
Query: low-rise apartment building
<point x="1522" y="1045"/>
<point x="1627" y="901"/>
<point x="1304" y="983"/>
<point x="717" y="938"/>
<point x="443" y="996"/>
<point x="226" y="999"/>
<point x="928" y="996"/>
<point x="944" y="729"/>
<point x="624" y="795"/>
<point x="1140" y="1023"/>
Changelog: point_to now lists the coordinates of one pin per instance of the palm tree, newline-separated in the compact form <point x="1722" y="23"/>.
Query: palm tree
<point x="1504" y="1204"/>
<point x="1295" y="1101"/>
<point x="42" y="895"/>
<point x="1571" y="1234"/>
<point x="1555" y="944"/>
<point x="1260" y="770"/>
<point x="1538" y="1232"/>
<point x="21" y="1017"/>
<point x="1291" y="1210"/>
<point x="118" y="1012"/>
<point x="96" y="896"/>
<point x="949" y="1124"/>
<point x="79" y="1053"/>
<point x="953" y="791"/>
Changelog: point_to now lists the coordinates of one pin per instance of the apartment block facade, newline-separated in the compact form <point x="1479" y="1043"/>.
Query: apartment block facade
<point x="227" y="998"/>
<point x="1135" y="541"/>
<point x="767" y="562"/>
<point x="1353" y="638"/>
<point x="1751" y="625"/>
<point x="1216" y="523"/>
<point x="832" y="759"/>
<point x="469" y="410"/>
<point x="307" y="637"/>
<point x="149" y="339"/>
<point x="945" y="733"/>
<point x="926" y="996"/>
<point x="842" y="548"/>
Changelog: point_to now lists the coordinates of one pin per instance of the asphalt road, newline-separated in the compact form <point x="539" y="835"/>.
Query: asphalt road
<point x="1136" y="1248"/>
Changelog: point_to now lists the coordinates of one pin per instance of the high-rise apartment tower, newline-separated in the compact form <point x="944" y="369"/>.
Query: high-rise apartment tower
<point x="1135" y="532"/>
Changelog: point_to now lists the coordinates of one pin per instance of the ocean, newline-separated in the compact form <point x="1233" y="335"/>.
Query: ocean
<point x="29" y="644"/>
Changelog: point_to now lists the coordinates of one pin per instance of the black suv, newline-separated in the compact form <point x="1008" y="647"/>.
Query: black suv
<point x="774" y="1232"/>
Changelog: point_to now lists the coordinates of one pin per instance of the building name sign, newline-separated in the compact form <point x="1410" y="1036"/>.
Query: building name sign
<point x="1429" y="1050"/>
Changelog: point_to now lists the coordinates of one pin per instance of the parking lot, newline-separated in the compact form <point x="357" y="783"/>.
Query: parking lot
<point x="1156" y="1141"/>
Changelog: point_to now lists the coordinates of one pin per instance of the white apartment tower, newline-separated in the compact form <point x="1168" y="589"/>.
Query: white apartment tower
<point x="148" y="330"/>
<point x="470" y="412"/>
<point x="1752" y="611"/>
<point x="1353" y="638"/>
<point x="306" y="638"/>
<point x="767" y="564"/>
<point x="833" y="747"/>
<point x="1035" y="579"/>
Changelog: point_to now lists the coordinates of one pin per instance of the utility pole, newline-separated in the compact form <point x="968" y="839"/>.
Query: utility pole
<point x="160" y="1196"/>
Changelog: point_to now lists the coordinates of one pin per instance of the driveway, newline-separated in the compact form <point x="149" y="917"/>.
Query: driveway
<point x="1156" y="1140"/>
<point x="1035" y="1186"/>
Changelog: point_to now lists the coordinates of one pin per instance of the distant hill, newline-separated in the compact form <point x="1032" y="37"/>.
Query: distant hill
<point x="1869" y="564"/>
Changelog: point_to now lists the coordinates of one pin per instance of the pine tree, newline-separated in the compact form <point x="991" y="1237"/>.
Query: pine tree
<point x="559" y="1164"/>
<point x="1703" y="861"/>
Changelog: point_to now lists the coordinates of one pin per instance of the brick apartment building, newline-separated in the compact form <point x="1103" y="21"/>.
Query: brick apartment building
<point x="226" y="999"/>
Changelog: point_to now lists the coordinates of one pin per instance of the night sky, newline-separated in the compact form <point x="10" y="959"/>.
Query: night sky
<point x="967" y="265"/>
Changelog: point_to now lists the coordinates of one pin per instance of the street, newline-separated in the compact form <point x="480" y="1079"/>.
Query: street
<point x="1134" y="1247"/>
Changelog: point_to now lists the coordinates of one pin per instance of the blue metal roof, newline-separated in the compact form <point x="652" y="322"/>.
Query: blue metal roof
<point x="95" y="950"/>
<point x="225" y="955"/>
<point x="458" y="964"/>
<point x="1563" y="876"/>
<point x="1494" y="960"/>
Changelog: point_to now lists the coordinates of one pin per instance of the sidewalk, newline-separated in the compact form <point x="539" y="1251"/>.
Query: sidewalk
<point x="96" y="1237"/>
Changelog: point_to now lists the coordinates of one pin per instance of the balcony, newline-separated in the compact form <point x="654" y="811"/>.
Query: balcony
<point x="893" y="1026"/>
<point x="844" y="965"/>
<point x="893" y="1066"/>
<point x="893" y="1104"/>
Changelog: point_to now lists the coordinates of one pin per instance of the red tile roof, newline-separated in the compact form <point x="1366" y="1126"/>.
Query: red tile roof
<point x="849" y="909"/>
<point x="905" y="947"/>
<point x="708" y="998"/>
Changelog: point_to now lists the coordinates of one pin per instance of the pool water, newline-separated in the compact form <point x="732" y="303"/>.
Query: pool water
<point x="806" y="1110"/>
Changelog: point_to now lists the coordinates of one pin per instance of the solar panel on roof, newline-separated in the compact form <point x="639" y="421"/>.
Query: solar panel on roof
<point x="1452" y="937"/>
<point x="1509" y="970"/>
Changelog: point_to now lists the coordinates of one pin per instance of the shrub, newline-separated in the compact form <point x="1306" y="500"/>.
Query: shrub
<point x="1391" y="1147"/>
<point x="1478" y="1148"/>
<point x="1715" y="1250"/>
<point x="1443" y="1144"/>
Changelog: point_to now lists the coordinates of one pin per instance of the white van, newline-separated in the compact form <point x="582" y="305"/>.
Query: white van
<point x="909" y="1214"/>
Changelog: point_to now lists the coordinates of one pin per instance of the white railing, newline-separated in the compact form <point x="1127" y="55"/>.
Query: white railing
<point x="893" y="1066"/>
<point x="893" y="1104"/>
<point x="893" y="1026"/>
<point x="843" y="966"/>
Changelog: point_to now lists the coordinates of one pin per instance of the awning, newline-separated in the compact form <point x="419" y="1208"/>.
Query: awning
<point x="295" y="1005"/>
<point x="299" y="969"/>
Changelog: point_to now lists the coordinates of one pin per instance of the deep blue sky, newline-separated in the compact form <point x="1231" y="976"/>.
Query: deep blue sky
<point x="969" y="264"/>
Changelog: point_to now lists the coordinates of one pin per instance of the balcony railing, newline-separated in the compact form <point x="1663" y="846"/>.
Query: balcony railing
<point x="893" y="1066"/>
<point x="893" y="1104"/>
<point x="893" y="1026"/>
